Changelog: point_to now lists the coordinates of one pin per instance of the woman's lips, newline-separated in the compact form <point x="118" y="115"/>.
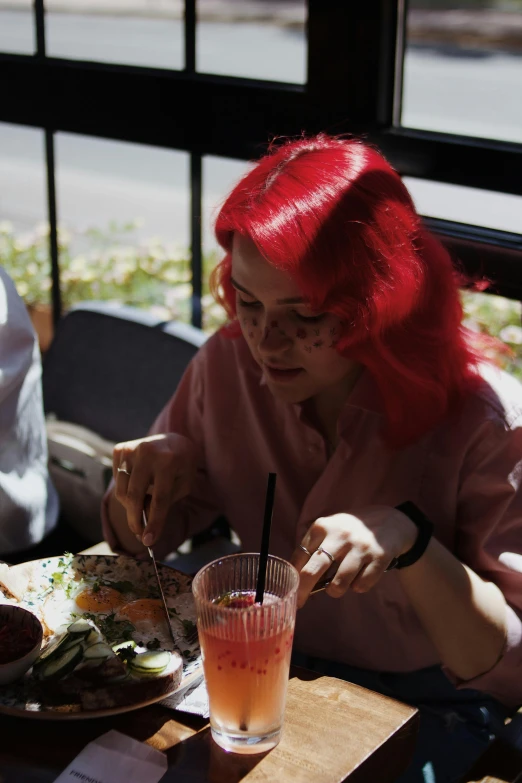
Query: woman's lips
<point x="279" y="374"/>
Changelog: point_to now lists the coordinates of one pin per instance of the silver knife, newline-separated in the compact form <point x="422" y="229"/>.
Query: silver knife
<point x="162" y="594"/>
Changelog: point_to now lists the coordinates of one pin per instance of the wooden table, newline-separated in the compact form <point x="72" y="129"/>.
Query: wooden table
<point x="334" y="731"/>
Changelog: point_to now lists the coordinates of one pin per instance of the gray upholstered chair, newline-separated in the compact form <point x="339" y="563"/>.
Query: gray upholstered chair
<point x="107" y="374"/>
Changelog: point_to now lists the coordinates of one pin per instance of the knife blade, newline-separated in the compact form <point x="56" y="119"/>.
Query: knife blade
<point x="162" y="594"/>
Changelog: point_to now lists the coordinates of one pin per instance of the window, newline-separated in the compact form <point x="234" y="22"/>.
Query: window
<point x="17" y="27"/>
<point x="463" y="68"/>
<point x="253" y="40"/>
<point x="219" y="177"/>
<point x="146" y="32"/>
<point x="123" y="217"/>
<point x="194" y="81"/>
<point x="502" y="211"/>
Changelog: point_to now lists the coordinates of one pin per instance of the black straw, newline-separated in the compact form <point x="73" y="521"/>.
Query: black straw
<point x="265" y="539"/>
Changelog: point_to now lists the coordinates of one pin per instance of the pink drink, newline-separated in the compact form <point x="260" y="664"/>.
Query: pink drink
<point x="246" y="677"/>
<point x="246" y="652"/>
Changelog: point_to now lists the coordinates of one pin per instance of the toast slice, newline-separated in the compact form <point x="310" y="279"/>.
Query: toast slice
<point x="16" y="580"/>
<point x="95" y="688"/>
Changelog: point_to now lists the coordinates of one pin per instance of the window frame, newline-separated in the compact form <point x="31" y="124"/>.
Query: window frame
<point x="354" y="76"/>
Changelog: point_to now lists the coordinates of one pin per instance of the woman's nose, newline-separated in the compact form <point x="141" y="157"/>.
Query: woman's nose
<point x="275" y="339"/>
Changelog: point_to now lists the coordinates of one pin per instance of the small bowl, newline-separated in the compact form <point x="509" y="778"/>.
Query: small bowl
<point x="17" y="617"/>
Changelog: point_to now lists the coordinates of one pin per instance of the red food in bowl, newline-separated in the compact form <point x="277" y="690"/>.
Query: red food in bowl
<point x="15" y="641"/>
<point x="20" y="641"/>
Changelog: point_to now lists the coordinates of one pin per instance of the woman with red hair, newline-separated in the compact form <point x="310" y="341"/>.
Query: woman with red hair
<point x="345" y="369"/>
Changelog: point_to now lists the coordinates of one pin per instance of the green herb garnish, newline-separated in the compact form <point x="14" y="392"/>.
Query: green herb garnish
<point x="126" y="654"/>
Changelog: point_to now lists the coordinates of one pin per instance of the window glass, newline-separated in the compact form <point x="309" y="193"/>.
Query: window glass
<point x="219" y="177"/>
<point x="253" y="39"/>
<point x="17" y="27"/>
<point x="501" y="318"/>
<point x="139" y="32"/>
<point x="501" y="211"/>
<point x="463" y="68"/>
<point x="24" y="229"/>
<point x="123" y="211"/>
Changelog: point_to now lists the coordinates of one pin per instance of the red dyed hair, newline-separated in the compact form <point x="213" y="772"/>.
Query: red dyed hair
<point x="336" y="216"/>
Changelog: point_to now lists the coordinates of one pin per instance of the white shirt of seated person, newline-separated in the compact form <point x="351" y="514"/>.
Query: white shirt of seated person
<point x="28" y="500"/>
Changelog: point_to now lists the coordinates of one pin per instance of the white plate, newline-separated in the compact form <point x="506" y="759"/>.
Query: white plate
<point x="17" y="699"/>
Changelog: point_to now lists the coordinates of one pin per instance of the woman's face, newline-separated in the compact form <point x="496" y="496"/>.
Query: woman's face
<point x="294" y="347"/>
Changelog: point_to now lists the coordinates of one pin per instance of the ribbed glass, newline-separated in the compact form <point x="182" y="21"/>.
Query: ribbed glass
<point x="246" y="650"/>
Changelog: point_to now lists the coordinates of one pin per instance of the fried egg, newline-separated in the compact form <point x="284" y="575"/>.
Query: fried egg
<point x="112" y="591"/>
<point x="102" y="599"/>
<point x="143" y="609"/>
<point x="59" y="611"/>
<point x="146" y="615"/>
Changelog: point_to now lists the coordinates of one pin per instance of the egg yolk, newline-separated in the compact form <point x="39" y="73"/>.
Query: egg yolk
<point x="142" y="609"/>
<point x="102" y="600"/>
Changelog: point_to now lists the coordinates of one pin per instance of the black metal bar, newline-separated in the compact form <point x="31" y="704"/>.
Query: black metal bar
<point x="190" y="36"/>
<point x="400" y="48"/>
<point x="228" y="117"/>
<point x="53" y="228"/>
<point x="459" y="160"/>
<point x="39" y="26"/>
<point x="196" y="201"/>
<point x="351" y="61"/>
<point x="389" y="61"/>
<point x="484" y="253"/>
<point x="338" y="76"/>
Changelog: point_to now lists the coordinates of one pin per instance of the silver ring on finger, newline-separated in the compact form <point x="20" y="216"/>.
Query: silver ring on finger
<point x="305" y="550"/>
<point x="325" y="552"/>
<point x="123" y="469"/>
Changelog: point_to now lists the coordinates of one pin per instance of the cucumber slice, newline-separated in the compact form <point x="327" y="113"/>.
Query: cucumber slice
<point x="54" y="648"/>
<point x="63" y="664"/>
<point x="93" y="637"/>
<point x="80" y="627"/>
<point x="98" y="650"/>
<point x="152" y="662"/>
<point x="122" y="645"/>
<point x="71" y="641"/>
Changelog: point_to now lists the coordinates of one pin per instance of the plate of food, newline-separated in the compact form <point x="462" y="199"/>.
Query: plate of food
<point x="106" y="648"/>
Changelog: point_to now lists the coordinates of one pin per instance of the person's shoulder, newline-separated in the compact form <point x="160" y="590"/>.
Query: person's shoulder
<point x="18" y="333"/>
<point x="498" y="396"/>
<point x="11" y="303"/>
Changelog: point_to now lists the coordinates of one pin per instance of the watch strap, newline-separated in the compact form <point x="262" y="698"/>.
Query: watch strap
<point x="425" y="532"/>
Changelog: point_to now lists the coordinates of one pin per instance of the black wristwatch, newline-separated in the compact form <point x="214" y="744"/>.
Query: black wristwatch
<point x="425" y="528"/>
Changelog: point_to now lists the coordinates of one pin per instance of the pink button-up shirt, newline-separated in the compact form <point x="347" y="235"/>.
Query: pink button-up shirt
<point x="465" y="475"/>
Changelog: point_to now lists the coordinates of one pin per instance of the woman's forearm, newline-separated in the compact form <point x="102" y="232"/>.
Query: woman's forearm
<point x="464" y="616"/>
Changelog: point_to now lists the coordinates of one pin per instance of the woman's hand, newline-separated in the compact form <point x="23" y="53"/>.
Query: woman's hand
<point x="162" y="466"/>
<point x="362" y="545"/>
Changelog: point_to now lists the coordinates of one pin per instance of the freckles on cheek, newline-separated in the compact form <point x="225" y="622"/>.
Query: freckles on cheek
<point x="333" y="337"/>
<point x="251" y="328"/>
<point x="314" y="338"/>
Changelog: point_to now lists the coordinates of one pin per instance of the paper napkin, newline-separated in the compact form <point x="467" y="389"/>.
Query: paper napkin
<point x="115" y="758"/>
<point x="193" y="699"/>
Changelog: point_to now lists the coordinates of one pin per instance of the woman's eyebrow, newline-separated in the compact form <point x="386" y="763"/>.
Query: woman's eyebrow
<point x="289" y="300"/>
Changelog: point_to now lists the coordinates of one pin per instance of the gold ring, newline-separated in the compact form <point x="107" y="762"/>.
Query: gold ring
<point x="305" y="550"/>
<point x="324" y="552"/>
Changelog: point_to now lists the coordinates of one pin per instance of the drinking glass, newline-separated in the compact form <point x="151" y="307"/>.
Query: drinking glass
<point x="246" y="649"/>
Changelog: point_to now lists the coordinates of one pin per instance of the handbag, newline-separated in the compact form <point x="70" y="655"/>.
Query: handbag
<point x="80" y="467"/>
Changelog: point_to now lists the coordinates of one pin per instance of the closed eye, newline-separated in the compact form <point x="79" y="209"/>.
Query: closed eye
<point x="311" y="319"/>
<point x="247" y="304"/>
